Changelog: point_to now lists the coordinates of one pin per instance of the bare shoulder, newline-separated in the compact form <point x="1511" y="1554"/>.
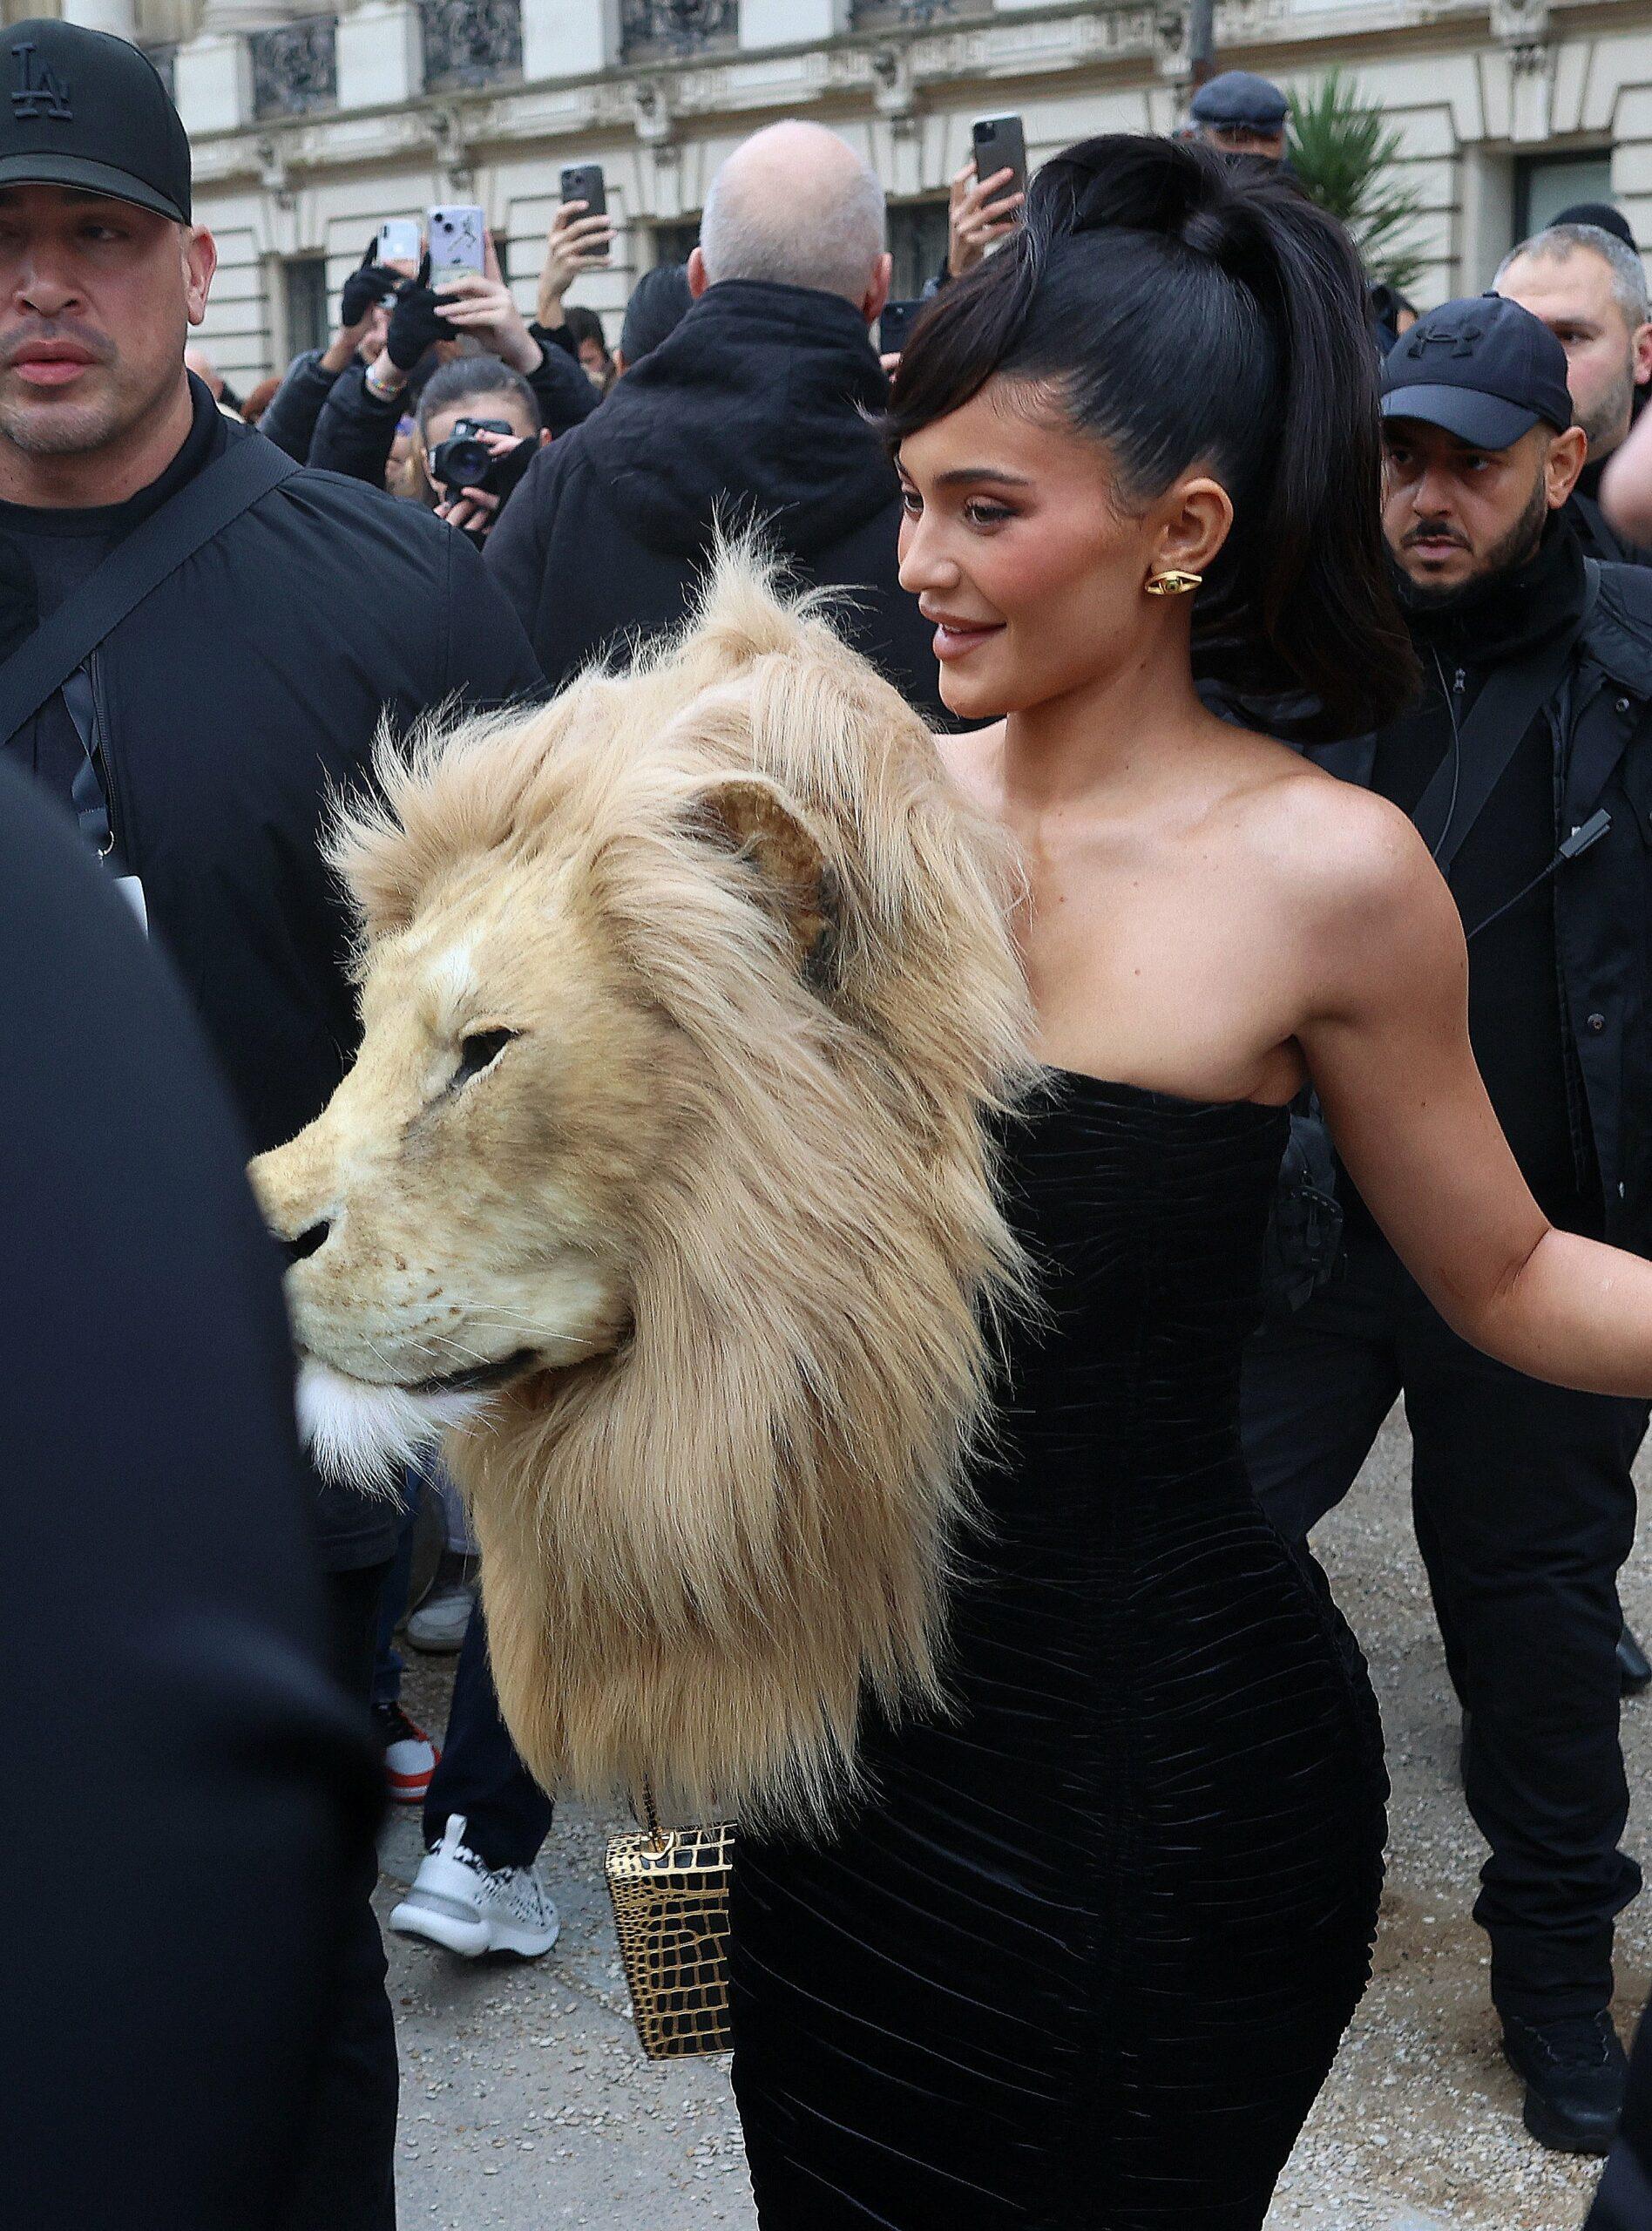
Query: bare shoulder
<point x="1343" y="850"/>
<point x="1364" y="903"/>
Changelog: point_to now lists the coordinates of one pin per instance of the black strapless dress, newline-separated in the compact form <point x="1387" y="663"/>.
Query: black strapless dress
<point x="1081" y="1960"/>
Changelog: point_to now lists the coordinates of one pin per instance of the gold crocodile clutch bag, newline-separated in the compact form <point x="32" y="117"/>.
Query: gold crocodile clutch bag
<point x="670" y="1892"/>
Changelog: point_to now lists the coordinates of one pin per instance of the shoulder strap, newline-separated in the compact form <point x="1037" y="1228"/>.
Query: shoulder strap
<point x="1508" y="704"/>
<point x="249" y="468"/>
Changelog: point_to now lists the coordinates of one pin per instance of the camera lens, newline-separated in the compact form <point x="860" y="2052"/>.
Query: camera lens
<point x="461" y="462"/>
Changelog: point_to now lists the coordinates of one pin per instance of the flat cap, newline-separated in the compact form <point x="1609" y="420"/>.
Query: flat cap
<point x="1240" y="97"/>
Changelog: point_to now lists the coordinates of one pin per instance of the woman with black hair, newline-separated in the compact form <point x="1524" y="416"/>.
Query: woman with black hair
<point x="1082" y="1955"/>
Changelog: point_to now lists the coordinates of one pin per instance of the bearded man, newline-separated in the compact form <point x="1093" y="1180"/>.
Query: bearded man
<point x="1589" y="287"/>
<point x="194" y="729"/>
<point x="1527" y="766"/>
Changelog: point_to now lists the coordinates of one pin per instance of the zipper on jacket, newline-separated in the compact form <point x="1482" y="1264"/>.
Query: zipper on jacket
<point x="102" y="733"/>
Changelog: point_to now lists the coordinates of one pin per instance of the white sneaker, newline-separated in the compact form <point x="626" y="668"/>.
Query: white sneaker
<point x="438" y="1627"/>
<point x="457" y="1901"/>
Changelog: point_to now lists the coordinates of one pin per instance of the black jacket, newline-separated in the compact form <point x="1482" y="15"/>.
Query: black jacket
<point x="289" y="419"/>
<point x="1599" y="722"/>
<point x="1600" y="539"/>
<point x="226" y="706"/>
<point x="356" y="429"/>
<point x="159" y="1592"/>
<point x="751" y="409"/>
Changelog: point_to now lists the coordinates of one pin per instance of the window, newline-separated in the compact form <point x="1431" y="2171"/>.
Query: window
<point x="674" y="243"/>
<point x="304" y="285"/>
<point x="917" y="242"/>
<point x="1544" y="185"/>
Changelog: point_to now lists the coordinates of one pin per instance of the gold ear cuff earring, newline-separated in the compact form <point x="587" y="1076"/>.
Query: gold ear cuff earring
<point x="1173" y="584"/>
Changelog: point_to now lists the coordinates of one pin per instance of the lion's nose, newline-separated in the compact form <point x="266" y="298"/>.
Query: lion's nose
<point x="299" y="1250"/>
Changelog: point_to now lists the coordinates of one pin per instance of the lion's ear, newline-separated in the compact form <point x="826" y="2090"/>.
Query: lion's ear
<point x="762" y="822"/>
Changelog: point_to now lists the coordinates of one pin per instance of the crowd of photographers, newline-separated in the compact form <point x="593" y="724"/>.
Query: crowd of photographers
<point x="137" y="512"/>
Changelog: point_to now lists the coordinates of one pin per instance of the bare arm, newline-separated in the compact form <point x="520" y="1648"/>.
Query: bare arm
<point x="1387" y="1046"/>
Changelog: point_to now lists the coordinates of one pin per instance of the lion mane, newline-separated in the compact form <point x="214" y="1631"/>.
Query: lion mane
<point x="702" y="1550"/>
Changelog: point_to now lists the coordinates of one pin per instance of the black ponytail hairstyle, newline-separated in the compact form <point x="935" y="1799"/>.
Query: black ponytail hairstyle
<point x="1188" y="308"/>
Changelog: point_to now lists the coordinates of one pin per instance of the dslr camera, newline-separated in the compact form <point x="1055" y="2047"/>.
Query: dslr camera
<point x="465" y="461"/>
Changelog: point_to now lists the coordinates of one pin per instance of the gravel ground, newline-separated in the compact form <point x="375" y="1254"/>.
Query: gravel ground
<point x="525" y="2103"/>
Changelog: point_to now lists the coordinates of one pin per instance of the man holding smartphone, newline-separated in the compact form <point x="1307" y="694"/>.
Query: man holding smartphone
<point x="198" y="641"/>
<point x="579" y="241"/>
<point x="755" y="407"/>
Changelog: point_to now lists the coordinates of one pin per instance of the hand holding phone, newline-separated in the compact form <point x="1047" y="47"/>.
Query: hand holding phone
<point x="985" y="202"/>
<point x="370" y="285"/>
<point x="1000" y="145"/>
<point x="585" y="182"/>
<point x="401" y="243"/>
<point x="894" y="326"/>
<point x="459" y="241"/>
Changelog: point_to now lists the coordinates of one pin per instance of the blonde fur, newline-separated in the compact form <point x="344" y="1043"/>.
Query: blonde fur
<point x="786" y="1007"/>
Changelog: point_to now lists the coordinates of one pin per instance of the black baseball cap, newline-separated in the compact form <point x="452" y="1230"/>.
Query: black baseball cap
<point x="1240" y="98"/>
<point x="1484" y="369"/>
<point x="83" y="109"/>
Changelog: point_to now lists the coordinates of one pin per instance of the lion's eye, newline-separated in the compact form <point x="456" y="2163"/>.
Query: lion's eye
<point x="477" y="1052"/>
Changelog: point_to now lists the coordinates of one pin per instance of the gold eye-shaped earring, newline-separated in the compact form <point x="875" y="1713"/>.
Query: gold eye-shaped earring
<point x="1173" y="583"/>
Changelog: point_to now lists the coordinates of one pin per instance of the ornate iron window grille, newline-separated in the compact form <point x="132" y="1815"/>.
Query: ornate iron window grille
<point x="677" y="27"/>
<point x="911" y="15"/>
<point x="471" y="42"/>
<point x="295" y="67"/>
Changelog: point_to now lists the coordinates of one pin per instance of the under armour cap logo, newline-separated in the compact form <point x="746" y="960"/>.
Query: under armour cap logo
<point x="1459" y="339"/>
<point x="38" y="92"/>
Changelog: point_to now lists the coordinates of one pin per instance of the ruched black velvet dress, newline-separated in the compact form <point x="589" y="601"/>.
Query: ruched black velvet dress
<point x="1082" y="1959"/>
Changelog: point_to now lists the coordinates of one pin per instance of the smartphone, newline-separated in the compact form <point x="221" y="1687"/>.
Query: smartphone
<point x="585" y="182"/>
<point x="458" y="239"/>
<point x="894" y="326"/>
<point x="1000" y="145"/>
<point x="401" y="241"/>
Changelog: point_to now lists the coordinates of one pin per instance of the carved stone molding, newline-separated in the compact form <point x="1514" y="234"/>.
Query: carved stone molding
<point x="892" y="93"/>
<point x="1520" y="25"/>
<point x="273" y="173"/>
<point x="651" y="114"/>
<point x="455" y="164"/>
<point x="1523" y="30"/>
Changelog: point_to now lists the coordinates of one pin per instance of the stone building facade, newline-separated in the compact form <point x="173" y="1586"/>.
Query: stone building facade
<point x="310" y="125"/>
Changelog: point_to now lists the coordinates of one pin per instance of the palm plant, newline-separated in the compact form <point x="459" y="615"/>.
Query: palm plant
<point x="1345" y="153"/>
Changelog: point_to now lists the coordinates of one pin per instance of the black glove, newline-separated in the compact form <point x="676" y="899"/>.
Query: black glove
<point x="368" y="283"/>
<point x="416" y="322"/>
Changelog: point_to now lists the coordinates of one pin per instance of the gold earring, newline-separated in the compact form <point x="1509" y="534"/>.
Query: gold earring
<point x="1173" y="583"/>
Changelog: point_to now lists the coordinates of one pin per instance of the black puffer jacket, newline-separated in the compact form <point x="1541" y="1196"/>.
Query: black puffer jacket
<point x="751" y="409"/>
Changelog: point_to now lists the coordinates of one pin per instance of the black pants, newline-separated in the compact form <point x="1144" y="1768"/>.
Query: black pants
<point x="507" y="1814"/>
<point x="1524" y="1510"/>
<point x="347" y="2178"/>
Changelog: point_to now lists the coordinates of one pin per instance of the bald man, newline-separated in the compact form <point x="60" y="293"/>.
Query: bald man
<point x="754" y="408"/>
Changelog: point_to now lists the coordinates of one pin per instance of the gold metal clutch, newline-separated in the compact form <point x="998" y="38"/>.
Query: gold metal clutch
<point x="670" y="1892"/>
